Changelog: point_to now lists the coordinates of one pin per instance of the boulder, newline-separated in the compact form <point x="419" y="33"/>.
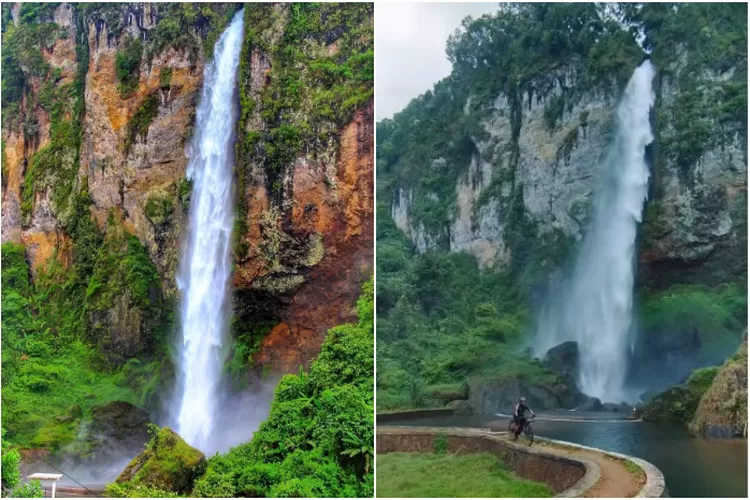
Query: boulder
<point x="168" y="464"/>
<point x="490" y="396"/>
<point x="118" y="427"/>
<point x="563" y="358"/>
<point x="587" y="403"/>
<point x="678" y="404"/>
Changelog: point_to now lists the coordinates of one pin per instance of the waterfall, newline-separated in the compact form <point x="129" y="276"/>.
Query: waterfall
<point x="206" y="263"/>
<point x="594" y="307"/>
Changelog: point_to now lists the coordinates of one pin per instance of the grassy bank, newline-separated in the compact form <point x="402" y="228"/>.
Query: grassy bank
<point x="435" y="475"/>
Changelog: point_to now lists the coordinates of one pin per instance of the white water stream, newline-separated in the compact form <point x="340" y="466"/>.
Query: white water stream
<point x="595" y="307"/>
<point x="206" y="264"/>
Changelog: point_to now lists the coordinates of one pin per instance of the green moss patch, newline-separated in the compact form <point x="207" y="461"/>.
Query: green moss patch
<point x="127" y="65"/>
<point x="167" y="464"/>
<point x="138" y="125"/>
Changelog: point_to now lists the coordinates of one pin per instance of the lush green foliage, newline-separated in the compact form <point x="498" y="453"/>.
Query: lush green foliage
<point x="11" y="476"/>
<point x="49" y="363"/>
<point x="129" y="490"/>
<point x="431" y="339"/>
<point x="318" y="440"/>
<point x="440" y="475"/>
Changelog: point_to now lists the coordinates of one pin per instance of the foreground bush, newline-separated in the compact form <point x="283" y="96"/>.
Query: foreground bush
<point x="318" y="439"/>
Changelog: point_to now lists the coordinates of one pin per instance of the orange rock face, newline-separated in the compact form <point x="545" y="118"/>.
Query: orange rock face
<point x="342" y="213"/>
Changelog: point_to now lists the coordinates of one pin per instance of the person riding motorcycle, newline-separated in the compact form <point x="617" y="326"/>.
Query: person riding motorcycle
<point x="519" y="414"/>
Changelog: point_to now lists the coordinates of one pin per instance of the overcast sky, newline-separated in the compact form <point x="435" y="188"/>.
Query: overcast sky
<point x="410" y="48"/>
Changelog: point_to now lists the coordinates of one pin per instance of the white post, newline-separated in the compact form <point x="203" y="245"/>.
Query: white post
<point x="42" y="476"/>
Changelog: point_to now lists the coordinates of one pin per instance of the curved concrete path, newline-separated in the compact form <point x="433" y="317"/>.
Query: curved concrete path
<point x="606" y="476"/>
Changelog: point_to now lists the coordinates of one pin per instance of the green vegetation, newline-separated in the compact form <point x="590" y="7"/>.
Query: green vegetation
<point x="54" y="166"/>
<point x="159" y="209"/>
<point x="717" y="316"/>
<point x="318" y="440"/>
<point x="207" y="22"/>
<point x="11" y="484"/>
<point x="722" y="410"/>
<point x="127" y="65"/>
<point x="441" y="475"/>
<point x="49" y="358"/>
<point x="432" y="340"/>
<point x="141" y="120"/>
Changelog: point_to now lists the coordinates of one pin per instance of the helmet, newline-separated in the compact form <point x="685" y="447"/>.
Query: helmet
<point x="522" y="399"/>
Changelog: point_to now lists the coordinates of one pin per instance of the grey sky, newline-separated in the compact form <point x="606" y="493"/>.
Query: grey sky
<point x="410" y="48"/>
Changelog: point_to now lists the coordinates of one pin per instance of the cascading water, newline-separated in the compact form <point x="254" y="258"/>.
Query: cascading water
<point x="595" y="307"/>
<point x="206" y="264"/>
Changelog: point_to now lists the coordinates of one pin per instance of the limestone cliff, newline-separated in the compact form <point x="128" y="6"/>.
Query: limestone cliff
<point x="525" y="160"/>
<point x="98" y="107"/>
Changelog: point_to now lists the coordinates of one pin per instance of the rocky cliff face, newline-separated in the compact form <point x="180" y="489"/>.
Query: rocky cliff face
<point x="304" y="236"/>
<point x="99" y="105"/>
<point x="550" y="166"/>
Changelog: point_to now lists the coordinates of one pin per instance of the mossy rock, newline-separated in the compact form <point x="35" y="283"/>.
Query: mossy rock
<point x="722" y="411"/>
<point x="678" y="404"/>
<point x="168" y="464"/>
<point x="159" y="209"/>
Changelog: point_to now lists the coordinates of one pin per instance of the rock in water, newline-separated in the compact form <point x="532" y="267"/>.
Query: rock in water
<point x="168" y="463"/>
<point x="722" y="411"/>
<point x="488" y="396"/>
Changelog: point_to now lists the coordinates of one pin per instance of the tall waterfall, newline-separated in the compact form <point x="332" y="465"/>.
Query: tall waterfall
<point x="206" y="264"/>
<point x="595" y="307"/>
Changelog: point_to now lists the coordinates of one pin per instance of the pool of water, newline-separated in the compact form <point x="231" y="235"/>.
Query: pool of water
<point x="692" y="467"/>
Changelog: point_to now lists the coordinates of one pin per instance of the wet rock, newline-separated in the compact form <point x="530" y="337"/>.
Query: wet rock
<point x="168" y="463"/>
<point x="488" y="396"/>
<point x="118" y="427"/>
<point x="563" y="358"/>
<point x="588" y="403"/>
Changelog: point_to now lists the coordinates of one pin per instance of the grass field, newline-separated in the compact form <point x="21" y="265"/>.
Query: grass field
<point x="446" y="475"/>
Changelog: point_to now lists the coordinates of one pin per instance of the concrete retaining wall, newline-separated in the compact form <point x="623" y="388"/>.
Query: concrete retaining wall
<point x="412" y="414"/>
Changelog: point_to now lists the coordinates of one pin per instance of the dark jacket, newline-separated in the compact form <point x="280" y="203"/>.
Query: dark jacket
<point x="521" y="409"/>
